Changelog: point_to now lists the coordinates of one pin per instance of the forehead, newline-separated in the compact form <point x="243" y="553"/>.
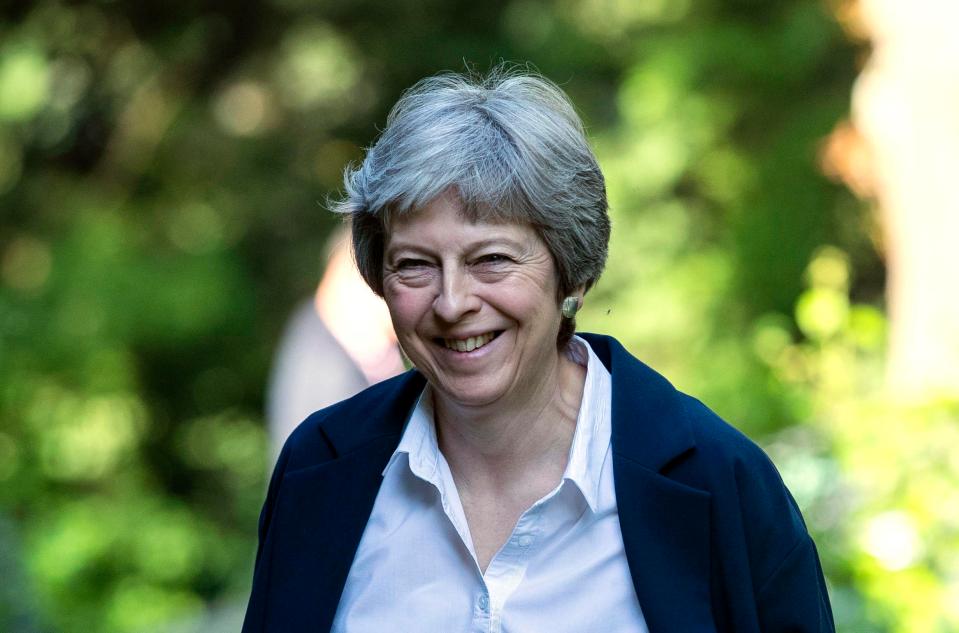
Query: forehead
<point x="447" y="220"/>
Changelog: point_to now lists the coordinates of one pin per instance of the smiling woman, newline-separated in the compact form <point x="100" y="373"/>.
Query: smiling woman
<point x="520" y="477"/>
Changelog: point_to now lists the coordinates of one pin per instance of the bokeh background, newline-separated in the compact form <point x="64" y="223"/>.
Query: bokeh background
<point x="782" y="181"/>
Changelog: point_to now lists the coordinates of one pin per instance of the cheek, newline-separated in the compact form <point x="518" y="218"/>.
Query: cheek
<point x="532" y="302"/>
<point x="406" y="308"/>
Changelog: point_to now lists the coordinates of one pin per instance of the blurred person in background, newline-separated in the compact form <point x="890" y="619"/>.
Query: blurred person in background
<point x="335" y="344"/>
<point x="520" y="477"/>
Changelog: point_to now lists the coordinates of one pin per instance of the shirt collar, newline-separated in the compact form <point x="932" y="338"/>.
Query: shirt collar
<point x="591" y="439"/>
<point x="587" y="453"/>
<point x="419" y="442"/>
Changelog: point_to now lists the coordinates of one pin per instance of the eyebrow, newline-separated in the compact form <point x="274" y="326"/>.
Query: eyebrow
<point x="474" y="246"/>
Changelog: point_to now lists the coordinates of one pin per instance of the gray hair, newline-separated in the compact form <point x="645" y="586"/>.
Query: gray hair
<point x="512" y="148"/>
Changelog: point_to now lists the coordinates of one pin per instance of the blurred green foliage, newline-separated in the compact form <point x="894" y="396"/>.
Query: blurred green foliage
<point x="877" y="476"/>
<point x="162" y="176"/>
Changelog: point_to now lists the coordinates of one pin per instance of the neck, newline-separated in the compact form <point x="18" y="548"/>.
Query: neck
<point x="504" y="442"/>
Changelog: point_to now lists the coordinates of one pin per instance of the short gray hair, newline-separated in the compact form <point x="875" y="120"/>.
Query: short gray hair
<point x="510" y="145"/>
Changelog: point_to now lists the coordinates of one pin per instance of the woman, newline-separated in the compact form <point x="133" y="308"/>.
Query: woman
<point x="519" y="478"/>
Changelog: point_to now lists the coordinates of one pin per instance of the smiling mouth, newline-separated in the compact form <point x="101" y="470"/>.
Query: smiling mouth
<point x="468" y="344"/>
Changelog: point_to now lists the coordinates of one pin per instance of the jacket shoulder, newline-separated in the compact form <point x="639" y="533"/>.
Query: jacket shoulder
<point x="754" y="514"/>
<point x="727" y="457"/>
<point x="720" y="445"/>
<point x="749" y="495"/>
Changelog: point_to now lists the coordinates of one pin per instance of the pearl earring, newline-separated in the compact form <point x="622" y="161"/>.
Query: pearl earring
<point x="570" y="307"/>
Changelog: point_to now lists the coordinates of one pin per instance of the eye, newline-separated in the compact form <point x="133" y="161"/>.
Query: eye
<point x="413" y="271"/>
<point x="493" y="258"/>
<point x="492" y="266"/>
<point x="411" y="264"/>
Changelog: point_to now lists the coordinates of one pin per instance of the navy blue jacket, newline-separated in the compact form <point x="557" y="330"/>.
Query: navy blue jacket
<point x="713" y="539"/>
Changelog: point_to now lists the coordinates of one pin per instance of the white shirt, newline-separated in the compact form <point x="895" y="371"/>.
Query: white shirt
<point x="563" y="568"/>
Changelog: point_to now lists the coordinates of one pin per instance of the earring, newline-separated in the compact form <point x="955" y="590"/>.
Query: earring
<point x="570" y="307"/>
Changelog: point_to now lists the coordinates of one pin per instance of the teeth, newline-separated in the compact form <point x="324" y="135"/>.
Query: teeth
<point x="468" y="344"/>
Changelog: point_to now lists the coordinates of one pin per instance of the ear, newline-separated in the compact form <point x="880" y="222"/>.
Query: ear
<point x="579" y="293"/>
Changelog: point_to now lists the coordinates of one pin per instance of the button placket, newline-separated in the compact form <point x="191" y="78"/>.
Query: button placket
<point x="506" y="570"/>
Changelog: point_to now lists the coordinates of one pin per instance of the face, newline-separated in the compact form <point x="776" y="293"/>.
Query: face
<point x="473" y="304"/>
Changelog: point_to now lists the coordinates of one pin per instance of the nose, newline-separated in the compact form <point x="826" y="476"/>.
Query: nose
<point x="456" y="298"/>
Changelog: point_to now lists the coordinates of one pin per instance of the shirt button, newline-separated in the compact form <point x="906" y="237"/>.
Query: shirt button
<point x="524" y="541"/>
<point x="483" y="603"/>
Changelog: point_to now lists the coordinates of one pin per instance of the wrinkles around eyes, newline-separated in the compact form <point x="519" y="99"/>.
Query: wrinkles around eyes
<point x="485" y="272"/>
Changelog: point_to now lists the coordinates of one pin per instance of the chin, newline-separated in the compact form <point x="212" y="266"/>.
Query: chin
<point x="471" y="395"/>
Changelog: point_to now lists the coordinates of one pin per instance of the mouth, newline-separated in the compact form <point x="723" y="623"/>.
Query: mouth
<point x="468" y="344"/>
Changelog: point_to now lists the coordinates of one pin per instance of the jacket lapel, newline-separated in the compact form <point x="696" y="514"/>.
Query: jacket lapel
<point x="323" y="509"/>
<point x="665" y="524"/>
